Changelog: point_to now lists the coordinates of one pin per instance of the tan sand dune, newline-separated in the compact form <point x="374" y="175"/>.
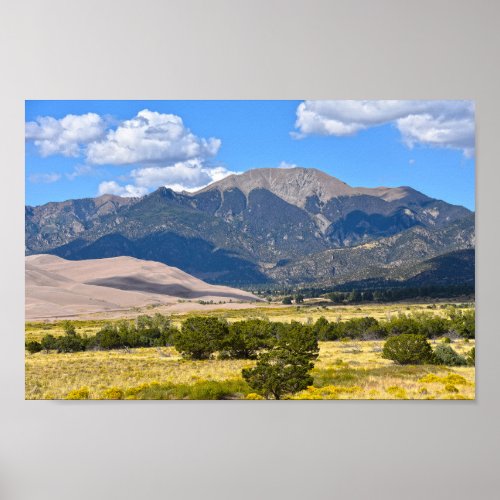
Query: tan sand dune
<point x="56" y="287"/>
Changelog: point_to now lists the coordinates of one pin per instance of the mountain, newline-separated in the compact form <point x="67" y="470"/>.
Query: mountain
<point x="59" y="288"/>
<point x="266" y="225"/>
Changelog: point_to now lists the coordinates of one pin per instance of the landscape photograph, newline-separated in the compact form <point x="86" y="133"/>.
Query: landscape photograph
<point x="250" y="250"/>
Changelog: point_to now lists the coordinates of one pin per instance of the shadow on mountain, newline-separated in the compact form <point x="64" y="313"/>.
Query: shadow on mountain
<point x="192" y="255"/>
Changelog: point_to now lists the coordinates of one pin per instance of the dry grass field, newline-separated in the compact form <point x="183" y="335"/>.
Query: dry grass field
<point x="307" y="313"/>
<point x="344" y="370"/>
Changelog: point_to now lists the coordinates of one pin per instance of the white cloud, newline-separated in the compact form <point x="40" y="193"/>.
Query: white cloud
<point x="79" y="171"/>
<point x="449" y="124"/>
<point x="47" y="178"/>
<point x="150" y="137"/>
<point x="285" y="164"/>
<point x="128" y="191"/>
<point x="188" y="176"/>
<point x="66" y="135"/>
<point x="182" y="176"/>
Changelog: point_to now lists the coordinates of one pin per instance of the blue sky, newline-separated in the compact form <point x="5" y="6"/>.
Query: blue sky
<point x="77" y="149"/>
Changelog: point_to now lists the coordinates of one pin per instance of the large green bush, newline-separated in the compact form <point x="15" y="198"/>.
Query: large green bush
<point x="70" y="343"/>
<point x="33" y="347"/>
<point x="108" y="338"/>
<point x="298" y="339"/>
<point x="49" y="342"/>
<point x="361" y="328"/>
<point x="278" y="372"/>
<point x="408" y="349"/>
<point x="201" y="337"/>
<point x="247" y="338"/>
<point x="445" y="355"/>
<point x="463" y="323"/>
<point x="284" y="369"/>
<point x="322" y="329"/>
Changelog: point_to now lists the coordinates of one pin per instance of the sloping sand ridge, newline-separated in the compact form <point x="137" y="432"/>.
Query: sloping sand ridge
<point x="56" y="287"/>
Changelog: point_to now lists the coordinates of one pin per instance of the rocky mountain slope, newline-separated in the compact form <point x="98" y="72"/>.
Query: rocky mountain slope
<point x="280" y="225"/>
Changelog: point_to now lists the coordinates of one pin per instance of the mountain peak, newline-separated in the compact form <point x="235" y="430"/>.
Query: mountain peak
<point x="295" y="185"/>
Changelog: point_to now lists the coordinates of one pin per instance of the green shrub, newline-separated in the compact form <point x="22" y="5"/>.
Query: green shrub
<point x="471" y="357"/>
<point x="361" y="328"/>
<point x="299" y="298"/>
<point x="408" y="349"/>
<point x="246" y="338"/>
<point x="446" y="340"/>
<point x="428" y="325"/>
<point x="285" y="368"/>
<point x="201" y="337"/>
<point x="70" y="343"/>
<point x="277" y="373"/>
<point x="33" y="347"/>
<point x="108" y="338"/>
<point x="49" y="342"/>
<point x="321" y="328"/>
<point x="463" y="323"/>
<point x="445" y="355"/>
<point x="297" y="339"/>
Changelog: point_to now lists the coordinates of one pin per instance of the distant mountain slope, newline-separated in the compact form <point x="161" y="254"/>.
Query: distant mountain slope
<point x="56" y="287"/>
<point x="263" y="225"/>
<point x="450" y="269"/>
<point x="389" y="257"/>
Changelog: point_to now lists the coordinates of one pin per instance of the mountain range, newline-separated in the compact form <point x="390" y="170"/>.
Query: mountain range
<point x="268" y="226"/>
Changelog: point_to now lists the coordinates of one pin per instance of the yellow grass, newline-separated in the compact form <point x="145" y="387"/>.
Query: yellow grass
<point x="306" y="313"/>
<point x="344" y="370"/>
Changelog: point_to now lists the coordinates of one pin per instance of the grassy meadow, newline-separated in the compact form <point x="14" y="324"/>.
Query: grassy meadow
<point x="345" y="369"/>
<point x="309" y="312"/>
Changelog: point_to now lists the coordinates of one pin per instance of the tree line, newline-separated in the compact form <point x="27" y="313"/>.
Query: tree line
<point x="348" y="294"/>
<point x="395" y="294"/>
<point x="201" y="337"/>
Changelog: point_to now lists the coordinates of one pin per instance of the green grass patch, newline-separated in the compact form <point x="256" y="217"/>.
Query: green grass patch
<point x="202" y="390"/>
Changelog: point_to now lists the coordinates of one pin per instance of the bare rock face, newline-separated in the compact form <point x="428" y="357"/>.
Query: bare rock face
<point x="293" y="185"/>
<point x="297" y="185"/>
<point x="248" y="228"/>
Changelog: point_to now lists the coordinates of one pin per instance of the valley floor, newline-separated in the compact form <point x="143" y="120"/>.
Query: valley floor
<point x="310" y="311"/>
<point x="345" y="369"/>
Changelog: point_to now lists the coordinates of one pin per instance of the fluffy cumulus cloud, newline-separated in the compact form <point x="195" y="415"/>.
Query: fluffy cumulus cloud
<point x="65" y="136"/>
<point x="190" y="175"/>
<point x="162" y="149"/>
<point x="181" y="176"/>
<point x="448" y="124"/>
<point x="129" y="190"/>
<point x="150" y="137"/>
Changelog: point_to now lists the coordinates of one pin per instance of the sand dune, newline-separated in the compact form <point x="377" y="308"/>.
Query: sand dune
<point x="56" y="287"/>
